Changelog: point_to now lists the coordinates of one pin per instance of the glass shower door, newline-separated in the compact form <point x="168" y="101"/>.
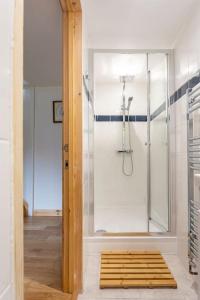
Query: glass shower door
<point x="158" y="136"/>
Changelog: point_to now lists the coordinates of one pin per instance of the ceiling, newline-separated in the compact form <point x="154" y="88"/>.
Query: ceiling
<point x="42" y="42"/>
<point x="135" y="24"/>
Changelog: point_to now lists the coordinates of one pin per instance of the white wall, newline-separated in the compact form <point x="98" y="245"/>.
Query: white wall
<point x="28" y="126"/>
<point x="159" y="142"/>
<point x="187" y="62"/>
<point x="187" y="49"/>
<point x="42" y="149"/>
<point x="6" y="198"/>
<point x="43" y="42"/>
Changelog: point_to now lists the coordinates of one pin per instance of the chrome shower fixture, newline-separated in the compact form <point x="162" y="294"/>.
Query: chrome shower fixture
<point x="128" y="78"/>
<point x="126" y="140"/>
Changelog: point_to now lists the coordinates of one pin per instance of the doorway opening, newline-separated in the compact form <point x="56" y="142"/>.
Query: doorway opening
<point x="42" y="135"/>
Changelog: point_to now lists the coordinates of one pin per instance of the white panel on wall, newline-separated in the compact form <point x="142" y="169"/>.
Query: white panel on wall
<point x="187" y="49"/>
<point x="108" y="98"/>
<point x="187" y="63"/>
<point x="159" y="171"/>
<point x="48" y="151"/>
<point x="28" y="128"/>
<point x="6" y="201"/>
<point x="181" y="179"/>
<point x="120" y="202"/>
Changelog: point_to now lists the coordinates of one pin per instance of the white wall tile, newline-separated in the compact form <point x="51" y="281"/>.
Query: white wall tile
<point x="187" y="49"/>
<point x="187" y="63"/>
<point x="182" y="207"/>
<point x="116" y="196"/>
<point x="108" y="98"/>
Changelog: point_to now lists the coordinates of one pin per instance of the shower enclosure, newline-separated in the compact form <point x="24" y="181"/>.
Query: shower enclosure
<point x="128" y="135"/>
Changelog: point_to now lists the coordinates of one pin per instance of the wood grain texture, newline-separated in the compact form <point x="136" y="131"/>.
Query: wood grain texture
<point x="129" y="256"/>
<point x="42" y="250"/>
<point x="142" y="283"/>
<point x="65" y="155"/>
<point x="73" y="5"/>
<point x="128" y="252"/>
<point x="72" y="136"/>
<point x="131" y="261"/>
<point x="135" y="269"/>
<point x="63" y="5"/>
<point x="37" y="291"/>
<point x="70" y="5"/>
<point x="17" y="150"/>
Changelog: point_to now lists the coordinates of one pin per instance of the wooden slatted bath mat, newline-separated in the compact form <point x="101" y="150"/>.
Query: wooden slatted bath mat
<point x="135" y="269"/>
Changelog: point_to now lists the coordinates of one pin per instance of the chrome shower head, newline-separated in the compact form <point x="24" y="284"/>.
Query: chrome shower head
<point x="130" y="99"/>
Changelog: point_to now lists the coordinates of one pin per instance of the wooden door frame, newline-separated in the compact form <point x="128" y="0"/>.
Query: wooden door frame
<point x="72" y="137"/>
<point x="72" y="146"/>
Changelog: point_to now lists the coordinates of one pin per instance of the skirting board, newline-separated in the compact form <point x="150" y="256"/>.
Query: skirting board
<point x="47" y="213"/>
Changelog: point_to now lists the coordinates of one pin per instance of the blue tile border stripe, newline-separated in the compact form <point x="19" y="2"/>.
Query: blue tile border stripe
<point x="102" y="118"/>
<point x="119" y="118"/>
<point x="183" y="89"/>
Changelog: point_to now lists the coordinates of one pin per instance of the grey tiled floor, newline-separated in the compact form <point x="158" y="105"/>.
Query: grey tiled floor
<point x="185" y="289"/>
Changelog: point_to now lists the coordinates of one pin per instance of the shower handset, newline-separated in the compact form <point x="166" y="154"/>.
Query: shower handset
<point x="130" y="99"/>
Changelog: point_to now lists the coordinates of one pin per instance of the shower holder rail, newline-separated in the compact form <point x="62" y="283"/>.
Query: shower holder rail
<point x="124" y="151"/>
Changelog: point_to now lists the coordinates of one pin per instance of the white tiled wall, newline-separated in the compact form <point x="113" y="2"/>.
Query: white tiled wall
<point x="181" y="179"/>
<point x="120" y="202"/>
<point x="159" y="141"/>
<point x="187" y="63"/>
<point x="187" y="49"/>
<point x="87" y="131"/>
<point x="6" y="228"/>
<point x="159" y="170"/>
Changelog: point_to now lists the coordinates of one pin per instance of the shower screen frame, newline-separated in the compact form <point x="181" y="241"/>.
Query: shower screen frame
<point x="171" y="199"/>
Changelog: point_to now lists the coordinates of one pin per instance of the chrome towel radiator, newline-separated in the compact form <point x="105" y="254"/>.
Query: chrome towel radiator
<point x="193" y="142"/>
